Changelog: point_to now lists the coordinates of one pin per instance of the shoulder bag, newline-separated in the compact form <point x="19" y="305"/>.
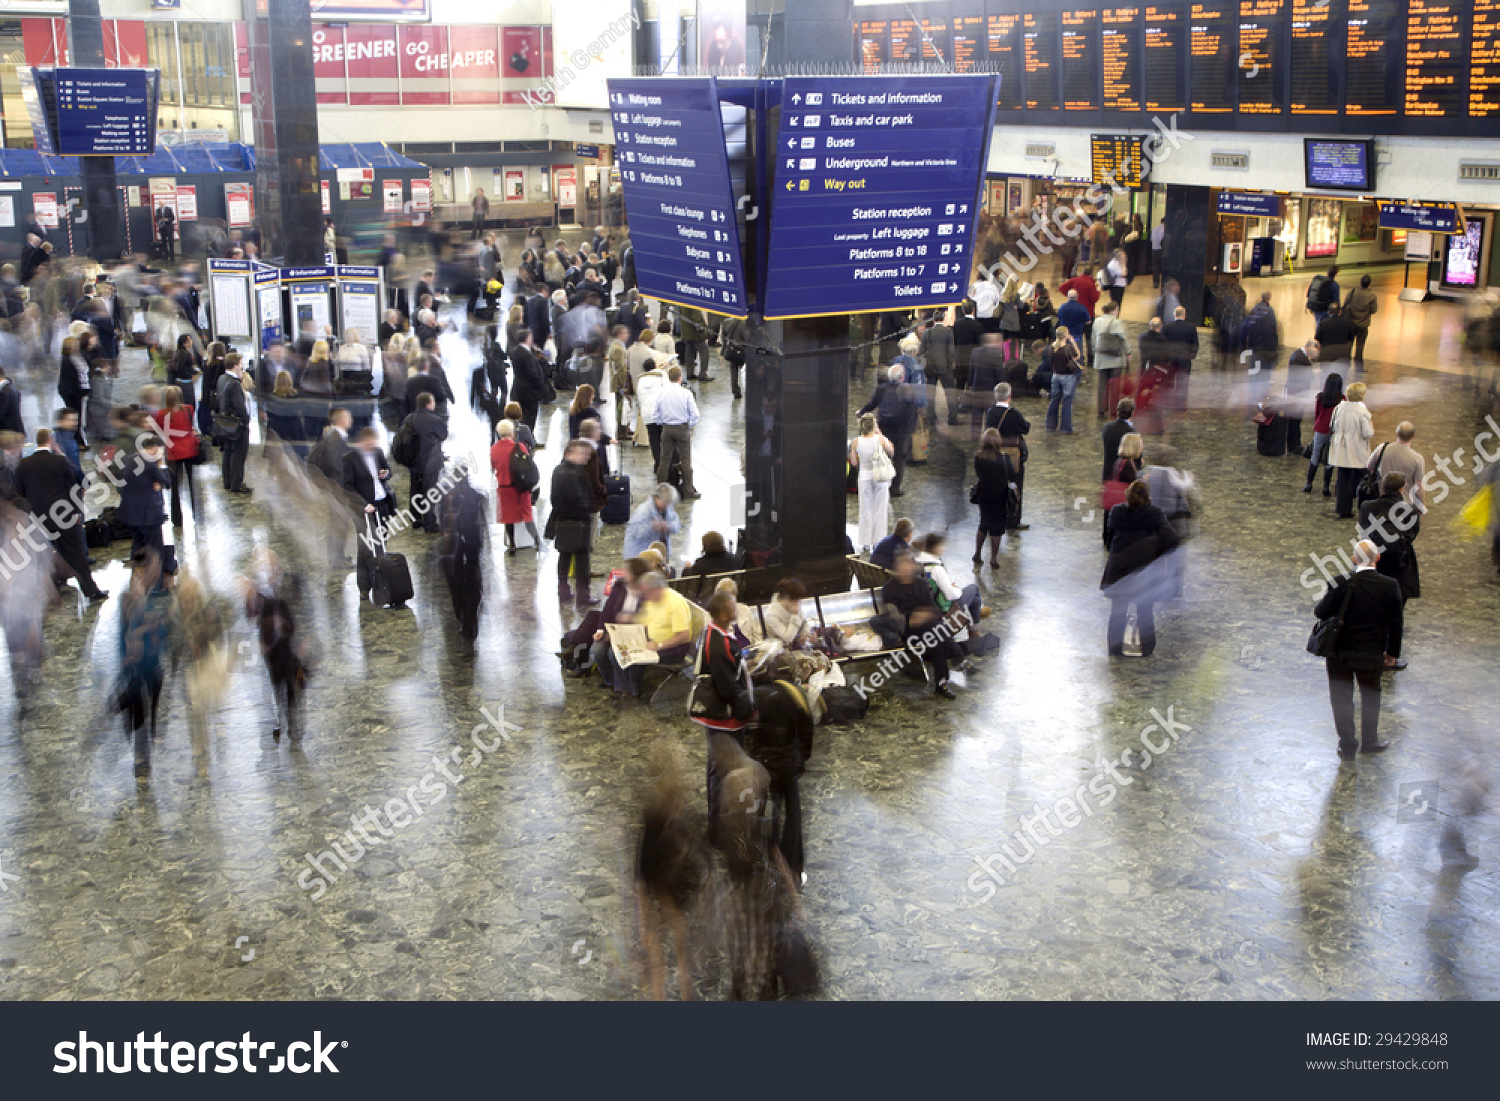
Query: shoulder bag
<point x="572" y="536"/>
<point x="883" y="470"/>
<point x="1369" y="485"/>
<point x="1324" y="639"/>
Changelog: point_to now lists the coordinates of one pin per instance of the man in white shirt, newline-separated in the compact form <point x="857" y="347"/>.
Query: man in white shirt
<point x="1158" y="236"/>
<point x="1117" y="276"/>
<point x="986" y="298"/>
<point x="677" y="413"/>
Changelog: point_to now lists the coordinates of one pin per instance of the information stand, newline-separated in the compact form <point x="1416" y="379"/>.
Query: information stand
<point x="309" y="304"/>
<point x="231" y="301"/>
<point x="267" y="283"/>
<point x="360" y="294"/>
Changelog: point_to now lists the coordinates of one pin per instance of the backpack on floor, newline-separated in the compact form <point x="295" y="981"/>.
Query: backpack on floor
<point x="843" y="705"/>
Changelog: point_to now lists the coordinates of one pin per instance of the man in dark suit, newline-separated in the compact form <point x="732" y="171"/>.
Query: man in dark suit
<point x="529" y="387"/>
<point x="431" y="431"/>
<point x="1335" y="335"/>
<point x="1368" y="644"/>
<point x="10" y="406"/>
<point x="367" y="477"/>
<point x="573" y="501"/>
<point x="1115" y="431"/>
<point x="1007" y="420"/>
<point x="425" y="381"/>
<point x="966" y="334"/>
<point x="1182" y="334"/>
<point x="229" y="401"/>
<point x="539" y="316"/>
<point x="143" y="477"/>
<point x="328" y="453"/>
<point x="1392" y="524"/>
<point x="48" y="482"/>
<point x="1155" y="347"/>
<point x="986" y="371"/>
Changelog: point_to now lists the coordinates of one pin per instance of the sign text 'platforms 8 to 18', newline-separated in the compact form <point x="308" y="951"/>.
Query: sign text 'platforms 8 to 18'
<point x="876" y="192"/>
<point x="674" y="171"/>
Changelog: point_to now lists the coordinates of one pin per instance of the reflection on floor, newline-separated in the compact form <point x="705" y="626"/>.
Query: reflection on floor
<point x="1240" y="860"/>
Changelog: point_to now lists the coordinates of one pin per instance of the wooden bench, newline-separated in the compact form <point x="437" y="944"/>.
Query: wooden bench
<point x="869" y="575"/>
<point x="699" y="587"/>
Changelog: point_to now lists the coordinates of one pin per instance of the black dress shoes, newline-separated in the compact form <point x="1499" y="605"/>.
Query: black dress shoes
<point x="1375" y="747"/>
<point x="944" y="691"/>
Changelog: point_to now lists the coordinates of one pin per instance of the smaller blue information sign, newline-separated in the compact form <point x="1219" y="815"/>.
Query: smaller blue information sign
<point x="1250" y="203"/>
<point x="1423" y="217"/>
<point x="103" y="113"/>
<point x="674" y="171"/>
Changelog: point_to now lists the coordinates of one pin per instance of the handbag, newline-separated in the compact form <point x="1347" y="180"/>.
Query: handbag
<point x="1369" y="486"/>
<point x="974" y="494"/>
<point x="572" y="536"/>
<point x="883" y="470"/>
<point x="1324" y="639"/>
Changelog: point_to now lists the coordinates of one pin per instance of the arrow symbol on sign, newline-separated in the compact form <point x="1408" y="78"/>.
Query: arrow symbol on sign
<point x="791" y="143"/>
<point x="789" y="185"/>
<point x="797" y="98"/>
<point x="952" y="287"/>
<point x="791" y="162"/>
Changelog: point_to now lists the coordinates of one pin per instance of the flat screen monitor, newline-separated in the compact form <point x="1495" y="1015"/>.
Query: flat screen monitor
<point x="1340" y="165"/>
<point x="1464" y="254"/>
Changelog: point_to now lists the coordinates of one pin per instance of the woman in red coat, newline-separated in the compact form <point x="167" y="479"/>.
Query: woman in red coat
<point x="175" y="422"/>
<point x="514" y="504"/>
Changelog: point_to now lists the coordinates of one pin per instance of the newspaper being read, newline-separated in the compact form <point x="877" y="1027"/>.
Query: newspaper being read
<point x="628" y="640"/>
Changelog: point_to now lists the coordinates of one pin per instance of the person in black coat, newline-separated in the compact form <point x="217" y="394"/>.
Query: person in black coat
<point x="896" y="412"/>
<point x="1392" y="524"/>
<point x="183" y="370"/>
<point x="229" y="401"/>
<point x="995" y="474"/>
<point x="1007" y="420"/>
<point x="1140" y="536"/>
<point x="529" y="384"/>
<point x="910" y="595"/>
<point x="432" y="431"/>
<point x="10" y="406"/>
<point x="714" y="559"/>
<point x="986" y="371"/>
<point x="461" y="555"/>
<point x="367" y="479"/>
<point x="142" y="510"/>
<point x="1368" y="644"/>
<point x="430" y="382"/>
<point x="1115" y="431"/>
<point x="573" y="501"/>
<point x="539" y="316"/>
<point x="780" y="737"/>
<point x="48" y="480"/>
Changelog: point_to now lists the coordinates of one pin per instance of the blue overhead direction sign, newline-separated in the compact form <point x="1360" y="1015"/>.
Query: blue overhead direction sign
<point x="1422" y="217"/>
<point x="876" y="191"/>
<point x="1250" y="203"/>
<point x="103" y="112"/>
<point x="679" y="200"/>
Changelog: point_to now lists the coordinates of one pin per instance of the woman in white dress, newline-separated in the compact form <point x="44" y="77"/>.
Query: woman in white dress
<point x="874" y="494"/>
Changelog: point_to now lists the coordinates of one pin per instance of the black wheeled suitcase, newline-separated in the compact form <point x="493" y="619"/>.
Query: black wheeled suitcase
<point x="390" y="583"/>
<point x="616" y="499"/>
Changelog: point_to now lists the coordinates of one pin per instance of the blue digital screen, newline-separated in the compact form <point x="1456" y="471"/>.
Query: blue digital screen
<point x="103" y="112"/>
<point x="1340" y="165"/>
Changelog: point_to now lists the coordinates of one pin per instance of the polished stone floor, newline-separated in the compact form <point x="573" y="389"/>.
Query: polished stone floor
<point x="1241" y="862"/>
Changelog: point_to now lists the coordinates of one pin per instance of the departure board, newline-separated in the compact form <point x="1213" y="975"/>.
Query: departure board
<point x="1260" y="60"/>
<point x="1315" y="85"/>
<point x="936" y="50"/>
<point x="1373" y="58"/>
<point x="1163" y="57"/>
<point x="1080" y="60"/>
<point x="1120" y="51"/>
<point x="1484" y="61"/>
<point x="1039" y="38"/>
<point x="906" y="42"/>
<point x="1003" y="35"/>
<point x="968" y="47"/>
<point x="1435" y="64"/>
<point x="1211" y="41"/>
<point x="1119" y="160"/>
<point x="872" y="37"/>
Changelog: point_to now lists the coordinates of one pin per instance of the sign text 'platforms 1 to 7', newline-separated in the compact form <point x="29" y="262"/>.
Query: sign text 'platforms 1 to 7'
<point x="876" y="192"/>
<point x="674" y="171"/>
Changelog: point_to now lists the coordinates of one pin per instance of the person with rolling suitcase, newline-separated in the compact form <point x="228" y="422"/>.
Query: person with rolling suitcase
<point x="367" y="475"/>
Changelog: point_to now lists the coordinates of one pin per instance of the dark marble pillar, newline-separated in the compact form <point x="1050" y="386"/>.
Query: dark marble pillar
<point x="796" y="438"/>
<point x="1185" y="242"/>
<point x="288" y="202"/>
<point x="101" y="224"/>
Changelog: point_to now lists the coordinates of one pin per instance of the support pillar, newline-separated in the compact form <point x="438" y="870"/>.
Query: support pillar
<point x="99" y="225"/>
<point x="1184" y="254"/>
<point x="288" y="198"/>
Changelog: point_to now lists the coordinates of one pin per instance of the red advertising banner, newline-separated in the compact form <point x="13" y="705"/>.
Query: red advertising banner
<point x="521" y="53"/>
<point x="328" y="64"/>
<point x="474" y="64"/>
<point x="373" y="65"/>
<point x="424" y="64"/>
<point x="124" y="44"/>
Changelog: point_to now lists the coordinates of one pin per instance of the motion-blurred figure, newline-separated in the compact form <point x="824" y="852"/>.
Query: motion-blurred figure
<point x="267" y="606"/>
<point x="462" y="554"/>
<point x="26" y="590"/>
<point x="145" y="623"/>
<point x="198" y="626"/>
<point x="669" y="867"/>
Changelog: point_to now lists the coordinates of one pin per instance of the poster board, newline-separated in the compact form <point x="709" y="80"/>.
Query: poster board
<point x="421" y="196"/>
<point x="229" y="296"/>
<point x="239" y="204"/>
<point x="393" y="195"/>
<point x="515" y="185"/>
<point x="267" y="283"/>
<point x="44" y="207"/>
<point x="7" y="211"/>
<point x="567" y="187"/>
<point x="187" y="202"/>
<point x="327" y="197"/>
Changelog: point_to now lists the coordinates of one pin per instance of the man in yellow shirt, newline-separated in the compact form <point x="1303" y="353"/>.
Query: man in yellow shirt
<point x="668" y="620"/>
